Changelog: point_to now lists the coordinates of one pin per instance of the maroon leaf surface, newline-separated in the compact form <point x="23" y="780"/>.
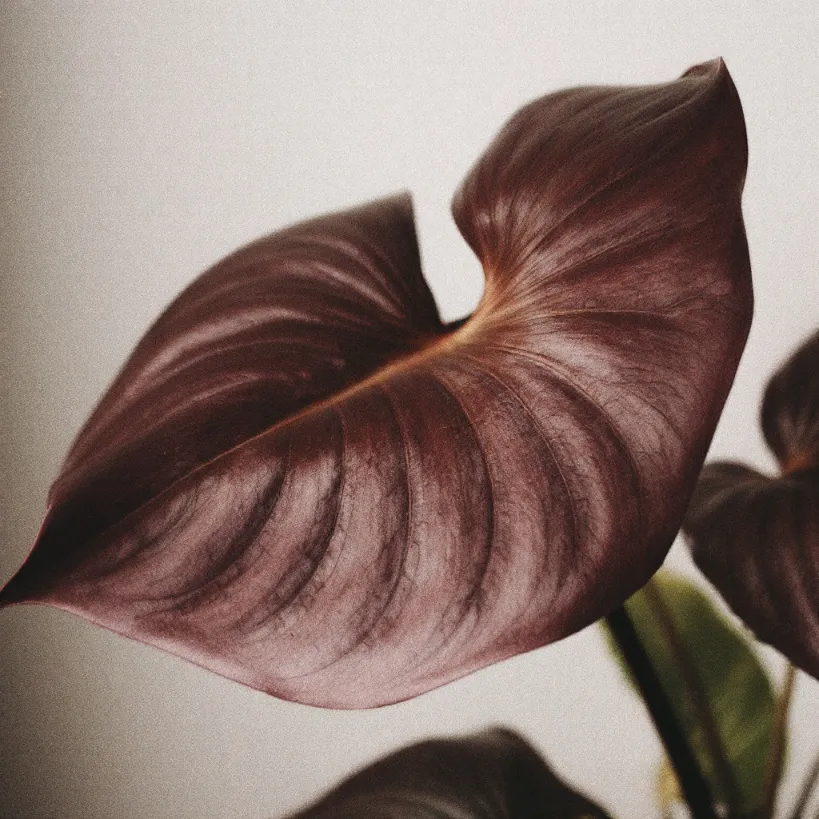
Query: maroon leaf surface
<point x="757" y="538"/>
<point x="304" y="481"/>
<point x="491" y="775"/>
<point x="790" y="410"/>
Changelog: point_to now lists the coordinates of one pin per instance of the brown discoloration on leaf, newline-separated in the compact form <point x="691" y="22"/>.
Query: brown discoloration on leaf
<point x="304" y="481"/>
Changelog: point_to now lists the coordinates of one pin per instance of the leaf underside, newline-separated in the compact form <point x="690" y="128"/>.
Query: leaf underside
<point x="491" y="775"/>
<point x="757" y="537"/>
<point x="303" y="480"/>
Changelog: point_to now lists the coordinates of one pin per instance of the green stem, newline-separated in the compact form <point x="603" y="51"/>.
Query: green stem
<point x="693" y="784"/>
<point x="779" y="731"/>
<point x="697" y="698"/>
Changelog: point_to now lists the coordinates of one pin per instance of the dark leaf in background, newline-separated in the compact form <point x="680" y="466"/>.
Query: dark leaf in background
<point x="790" y="410"/>
<point x="302" y="480"/>
<point x="714" y="681"/>
<point x="756" y="538"/>
<point x="491" y="775"/>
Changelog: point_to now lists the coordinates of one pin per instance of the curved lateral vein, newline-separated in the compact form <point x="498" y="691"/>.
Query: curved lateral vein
<point x="187" y="600"/>
<point x="294" y="598"/>
<point x="543" y="437"/>
<point x="399" y="572"/>
<point x="473" y="596"/>
<point x="570" y="385"/>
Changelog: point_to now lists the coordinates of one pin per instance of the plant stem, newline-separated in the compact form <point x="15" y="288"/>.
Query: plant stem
<point x="693" y="784"/>
<point x="779" y="731"/>
<point x="697" y="698"/>
<point x="806" y="791"/>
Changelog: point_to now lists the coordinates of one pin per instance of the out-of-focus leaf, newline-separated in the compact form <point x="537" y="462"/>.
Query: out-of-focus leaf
<point x="756" y="538"/>
<point x="491" y="775"/>
<point x="669" y="794"/>
<point x="732" y="682"/>
<point x="790" y="409"/>
<point x="304" y="481"/>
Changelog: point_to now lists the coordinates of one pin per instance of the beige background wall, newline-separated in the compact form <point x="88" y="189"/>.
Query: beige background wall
<point x="139" y="142"/>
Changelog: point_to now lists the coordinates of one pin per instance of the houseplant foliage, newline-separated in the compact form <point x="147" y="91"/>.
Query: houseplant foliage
<point x="304" y="480"/>
<point x="757" y="537"/>
<point x="717" y="692"/>
<point x="717" y="695"/>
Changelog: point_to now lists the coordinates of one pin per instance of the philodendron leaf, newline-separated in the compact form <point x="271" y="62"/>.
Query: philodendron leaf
<point x="719" y="690"/>
<point x="755" y="537"/>
<point x="491" y="775"/>
<point x="302" y="480"/>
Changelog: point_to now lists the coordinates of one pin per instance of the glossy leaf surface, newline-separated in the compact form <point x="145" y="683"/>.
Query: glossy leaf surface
<point x="756" y="537"/>
<point x="491" y="775"/>
<point x="304" y="481"/>
<point x="714" y="681"/>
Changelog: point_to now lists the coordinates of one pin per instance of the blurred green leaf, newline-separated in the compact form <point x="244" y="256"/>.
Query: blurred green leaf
<point x="668" y="788"/>
<point x="711" y="673"/>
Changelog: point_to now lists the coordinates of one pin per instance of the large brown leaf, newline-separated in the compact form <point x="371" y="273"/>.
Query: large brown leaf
<point x="757" y="538"/>
<point x="491" y="775"/>
<point x="304" y="481"/>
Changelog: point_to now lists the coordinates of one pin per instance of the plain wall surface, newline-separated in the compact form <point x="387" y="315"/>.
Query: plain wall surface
<point x="141" y="142"/>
